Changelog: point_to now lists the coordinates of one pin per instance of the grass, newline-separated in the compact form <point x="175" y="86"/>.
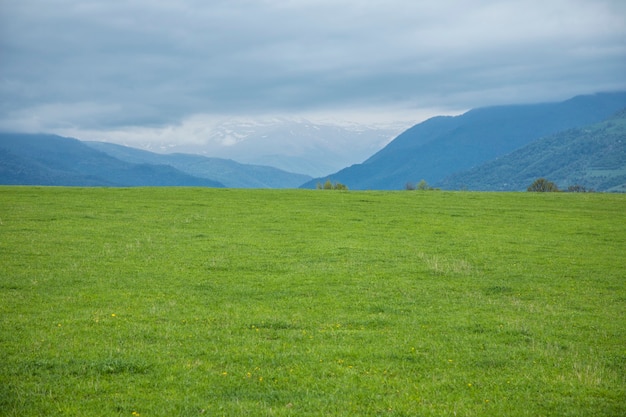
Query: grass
<point x="187" y="302"/>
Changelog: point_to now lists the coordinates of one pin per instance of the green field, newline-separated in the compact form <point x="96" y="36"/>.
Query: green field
<point x="188" y="302"/>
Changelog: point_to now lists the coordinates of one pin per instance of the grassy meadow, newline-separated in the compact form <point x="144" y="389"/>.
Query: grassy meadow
<point x="224" y="302"/>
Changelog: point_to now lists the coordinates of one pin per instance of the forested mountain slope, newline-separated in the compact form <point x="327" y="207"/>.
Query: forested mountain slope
<point x="441" y="146"/>
<point x="593" y="157"/>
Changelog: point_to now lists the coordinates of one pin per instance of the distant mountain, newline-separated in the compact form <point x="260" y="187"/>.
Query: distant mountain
<point x="303" y="146"/>
<point x="230" y="173"/>
<point x="441" y="146"/>
<point x="593" y="156"/>
<point x="28" y="159"/>
<point x="290" y="144"/>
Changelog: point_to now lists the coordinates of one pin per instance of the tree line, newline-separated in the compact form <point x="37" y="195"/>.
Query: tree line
<point x="540" y="185"/>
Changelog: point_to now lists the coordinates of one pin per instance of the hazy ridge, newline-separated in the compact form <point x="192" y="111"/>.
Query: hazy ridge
<point x="442" y="146"/>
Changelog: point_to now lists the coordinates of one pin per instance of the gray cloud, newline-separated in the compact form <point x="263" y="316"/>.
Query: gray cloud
<point x="105" y="64"/>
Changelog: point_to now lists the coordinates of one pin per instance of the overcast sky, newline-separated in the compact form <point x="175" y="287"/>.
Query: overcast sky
<point x="115" y="65"/>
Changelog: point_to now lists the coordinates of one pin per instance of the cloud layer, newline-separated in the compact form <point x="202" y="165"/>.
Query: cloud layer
<point x="99" y="65"/>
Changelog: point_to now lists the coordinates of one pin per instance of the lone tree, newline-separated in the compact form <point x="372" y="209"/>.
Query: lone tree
<point x="542" y="185"/>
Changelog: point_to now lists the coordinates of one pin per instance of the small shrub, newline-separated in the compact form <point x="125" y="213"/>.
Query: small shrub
<point x="542" y="185"/>
<point x="423" y="186"/>
<point x="579" y="189"/>
<point x="329" y="185"/>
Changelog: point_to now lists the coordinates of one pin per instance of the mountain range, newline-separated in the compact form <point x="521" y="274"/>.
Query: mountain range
<point x="581" y="141"/>
<point x="225" y="171"/>
<point x="442" y="146"/>
<point x="288" y="143"/>
<point x="35" y="159"/>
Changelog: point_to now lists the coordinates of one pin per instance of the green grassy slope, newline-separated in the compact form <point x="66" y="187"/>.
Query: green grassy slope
<point x="187" y="302"/>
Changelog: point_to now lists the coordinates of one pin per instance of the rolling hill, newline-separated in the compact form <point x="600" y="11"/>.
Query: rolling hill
<point x="442" y="146"/>
<point x="230" y="173"/>
<point x="29" y="159"/>
<point x="37" y="159"/>
<point x="593" y="156"/>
